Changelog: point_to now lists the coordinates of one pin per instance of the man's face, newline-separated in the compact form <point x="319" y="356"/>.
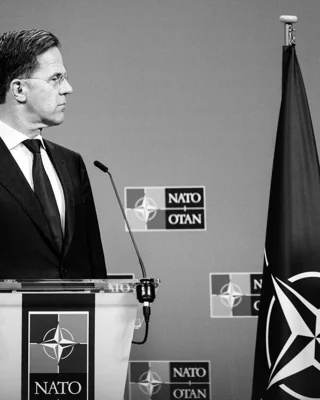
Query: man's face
<point x="46" y="96"/>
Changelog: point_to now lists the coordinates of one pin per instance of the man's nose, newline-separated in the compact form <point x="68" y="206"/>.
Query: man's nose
<point x="65" y="87"/>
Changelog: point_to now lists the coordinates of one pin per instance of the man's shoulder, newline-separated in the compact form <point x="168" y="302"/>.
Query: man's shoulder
<point x="61" y="150"/>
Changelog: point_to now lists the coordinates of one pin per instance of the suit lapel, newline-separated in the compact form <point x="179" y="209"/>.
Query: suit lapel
<point x="60" y="166"/>
<point x="12" y="178"/>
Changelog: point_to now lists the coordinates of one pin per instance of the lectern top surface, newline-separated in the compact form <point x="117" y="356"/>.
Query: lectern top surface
<point x="73" y="285"/>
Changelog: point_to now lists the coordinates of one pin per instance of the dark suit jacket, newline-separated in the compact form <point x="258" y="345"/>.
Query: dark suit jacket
<point x="26" y="250"/>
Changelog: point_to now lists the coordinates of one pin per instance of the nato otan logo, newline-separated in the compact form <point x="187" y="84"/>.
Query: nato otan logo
<point x="235" y="294"/>
<point x="293" y="361"/>
<point x="166" y="208"/>
<point x="58" y="355"/>
<point x="166" y="380"/>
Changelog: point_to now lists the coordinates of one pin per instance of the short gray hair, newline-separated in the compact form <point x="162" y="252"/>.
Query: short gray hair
<point x="18" y="54"/>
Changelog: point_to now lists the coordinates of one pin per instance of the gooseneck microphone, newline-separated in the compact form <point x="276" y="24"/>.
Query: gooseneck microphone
<point x="103" y="168"/>
<point x="145" y="289"/>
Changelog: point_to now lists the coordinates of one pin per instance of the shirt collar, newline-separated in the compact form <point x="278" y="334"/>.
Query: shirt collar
<point x="12" y="138"/>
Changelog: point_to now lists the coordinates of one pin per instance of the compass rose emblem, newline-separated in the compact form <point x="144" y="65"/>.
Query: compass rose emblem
<point x="299" y="352"/>
<point x="231" y="295"/>
<point x="58" y="343"/>
<point x="150" y="383"/>
<point x="145" y="209"/>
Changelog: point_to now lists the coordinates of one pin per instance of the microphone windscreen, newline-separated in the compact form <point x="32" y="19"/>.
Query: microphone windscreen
<point x="101" y="166"/>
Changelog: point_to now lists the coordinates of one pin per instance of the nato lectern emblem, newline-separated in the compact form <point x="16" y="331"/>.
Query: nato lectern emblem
<point x="58" y="343"/>
<point x="58" y="355"/>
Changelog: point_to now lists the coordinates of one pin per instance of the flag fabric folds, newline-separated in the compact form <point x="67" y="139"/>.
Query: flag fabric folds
<point x="287" y="358"/>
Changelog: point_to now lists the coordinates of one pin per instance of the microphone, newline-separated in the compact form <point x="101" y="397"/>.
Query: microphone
<point x="99" y="165"/>
<point x="145" y="289"/>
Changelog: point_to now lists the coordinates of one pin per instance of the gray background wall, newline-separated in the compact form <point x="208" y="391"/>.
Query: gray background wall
<point x="181" y="92"/>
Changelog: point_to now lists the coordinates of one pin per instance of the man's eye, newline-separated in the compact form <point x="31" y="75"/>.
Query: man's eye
<point x="58" y="79"/>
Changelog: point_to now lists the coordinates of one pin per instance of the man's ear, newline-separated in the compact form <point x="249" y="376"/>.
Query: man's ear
<point x="18" y="90"/>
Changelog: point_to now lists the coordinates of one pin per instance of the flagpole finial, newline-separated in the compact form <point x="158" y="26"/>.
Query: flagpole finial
<point x="289" y="30"/>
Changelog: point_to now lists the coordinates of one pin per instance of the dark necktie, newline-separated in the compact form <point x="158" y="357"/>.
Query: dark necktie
<point x="44" y="192"/>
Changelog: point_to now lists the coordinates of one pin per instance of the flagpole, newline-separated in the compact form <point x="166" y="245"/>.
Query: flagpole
<point x="289" y="30"/>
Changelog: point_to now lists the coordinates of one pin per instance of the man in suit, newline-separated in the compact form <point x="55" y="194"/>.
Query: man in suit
<point x="48" y="221"/>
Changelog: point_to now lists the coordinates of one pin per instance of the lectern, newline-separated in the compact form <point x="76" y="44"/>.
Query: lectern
<point x="65" y="339"/>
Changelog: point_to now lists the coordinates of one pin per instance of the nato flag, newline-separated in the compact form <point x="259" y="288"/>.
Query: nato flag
<point x="287" y="358"/>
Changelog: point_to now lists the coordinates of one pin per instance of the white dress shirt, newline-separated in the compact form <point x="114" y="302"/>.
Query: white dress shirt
<point x="13" y="140"/>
